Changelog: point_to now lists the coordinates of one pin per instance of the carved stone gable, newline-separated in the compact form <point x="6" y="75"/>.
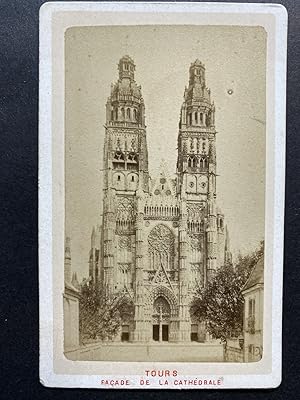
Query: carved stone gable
<point x="160" y="277"/>
<point x="161" y="248"/>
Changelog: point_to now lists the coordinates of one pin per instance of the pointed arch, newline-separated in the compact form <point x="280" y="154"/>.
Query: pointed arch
<point x="167" y="294"/>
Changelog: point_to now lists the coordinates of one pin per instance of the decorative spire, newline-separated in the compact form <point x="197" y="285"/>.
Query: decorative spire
<point x="67" y="265"/>
<point x="125" y="106"/>
<point x="227" y="239"/>
<point x="196" y="110"/>
<point x="75" y="282"/>
<point x="126" y="68"/>
<point x="197" y="74"/>
<point x="93" y="237"/>
<point x="228" y="255"/>
<point x="68" y="248"/>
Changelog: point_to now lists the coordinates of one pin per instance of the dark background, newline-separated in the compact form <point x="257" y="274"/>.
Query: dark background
<point x="19" y="342"/>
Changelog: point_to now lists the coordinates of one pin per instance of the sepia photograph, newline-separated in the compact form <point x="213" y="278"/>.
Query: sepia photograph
<point x="162" y="148"/>
<point x="164" y="184"/>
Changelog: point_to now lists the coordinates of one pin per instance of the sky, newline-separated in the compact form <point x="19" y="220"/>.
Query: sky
<point x="235" y="61"/>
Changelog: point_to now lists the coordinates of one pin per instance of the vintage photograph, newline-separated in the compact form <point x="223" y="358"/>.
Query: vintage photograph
<point x="161" y="194"/>
<point x="165" y="166"/>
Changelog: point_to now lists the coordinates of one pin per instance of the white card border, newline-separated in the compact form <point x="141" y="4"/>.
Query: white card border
<point x="47" y="375"/>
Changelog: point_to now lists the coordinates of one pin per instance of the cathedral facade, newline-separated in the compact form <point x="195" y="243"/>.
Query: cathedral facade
<point x="160" y="238"/>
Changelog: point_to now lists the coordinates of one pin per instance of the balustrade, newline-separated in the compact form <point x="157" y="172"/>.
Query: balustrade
<point x="161" y="212"/>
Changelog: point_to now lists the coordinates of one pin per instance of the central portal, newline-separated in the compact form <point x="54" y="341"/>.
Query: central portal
<point x="161" y="319"/>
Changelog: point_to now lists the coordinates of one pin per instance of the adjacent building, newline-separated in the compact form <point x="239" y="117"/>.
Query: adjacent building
<point x="70" y="303"/>
<point x="163" y="237"/>
<point x="253" y="292"/>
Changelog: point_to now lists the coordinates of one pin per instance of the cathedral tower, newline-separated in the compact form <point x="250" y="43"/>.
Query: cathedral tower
<point x="196" y="168"/>
<point x="125" y="148"/>
<point x="125" y="175"/>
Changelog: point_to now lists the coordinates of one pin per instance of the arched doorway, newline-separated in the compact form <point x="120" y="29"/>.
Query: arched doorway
<point x="161" y="319"/>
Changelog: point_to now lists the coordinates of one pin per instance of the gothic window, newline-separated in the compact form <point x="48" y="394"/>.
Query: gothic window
<point x="132" y="157"/>
<point x="132" y="181"/>
<point x="201" y="118"/>
<point x="119" y="160"/>
<point x="192" y="161"/>
<point x="221" y="223"/>
<point x="112" y="115"/>
<point x="196" y="117"/>
<point x="128" y="113"/>
<point x="132" y="162"/>
<point x="119" y="156"/>
<point x="123" y="112"/>
<point x="116" y="113"/>
<point x="190" y="118"/>
<point x="161" y="247"/>
<point x="134" y="114"/>
<point x="208" y="118"/>
<point x="119" y="181"/>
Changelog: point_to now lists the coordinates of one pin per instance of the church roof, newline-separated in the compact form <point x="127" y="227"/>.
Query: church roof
<point x="256" y="276"/>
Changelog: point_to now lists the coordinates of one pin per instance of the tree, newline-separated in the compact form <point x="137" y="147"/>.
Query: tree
<point x="221" y="302"/>
<point x="100" y="314"/>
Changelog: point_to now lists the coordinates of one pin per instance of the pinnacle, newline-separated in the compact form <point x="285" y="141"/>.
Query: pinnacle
<point x="197" y="62"/>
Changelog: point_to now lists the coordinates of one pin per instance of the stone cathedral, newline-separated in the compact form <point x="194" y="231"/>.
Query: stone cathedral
<point x="161" y="238"/>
